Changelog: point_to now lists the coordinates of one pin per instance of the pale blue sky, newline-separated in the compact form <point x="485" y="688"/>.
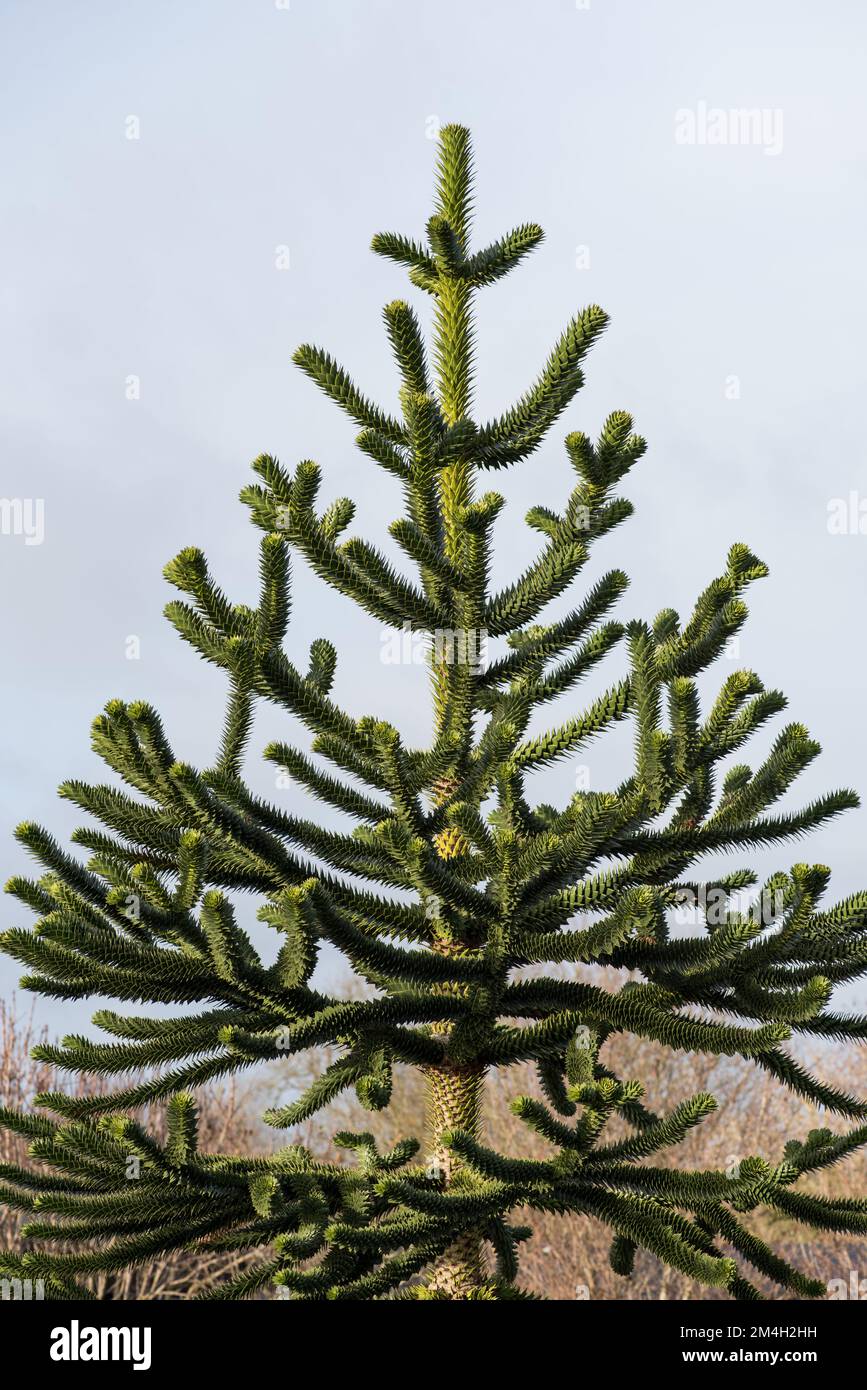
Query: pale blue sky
<point x="262" y="127"/>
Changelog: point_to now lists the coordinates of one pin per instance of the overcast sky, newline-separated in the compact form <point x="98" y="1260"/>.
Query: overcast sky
<point x="162" y="162"/>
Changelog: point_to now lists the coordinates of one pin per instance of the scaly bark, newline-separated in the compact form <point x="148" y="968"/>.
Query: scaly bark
<point x="454" y="1101"/>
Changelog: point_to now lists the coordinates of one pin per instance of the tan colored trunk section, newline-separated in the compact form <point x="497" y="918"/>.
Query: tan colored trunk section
<point x="455" y="1102"/>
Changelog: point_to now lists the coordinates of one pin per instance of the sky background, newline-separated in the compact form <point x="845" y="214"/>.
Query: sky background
<point x="734" y="275"/>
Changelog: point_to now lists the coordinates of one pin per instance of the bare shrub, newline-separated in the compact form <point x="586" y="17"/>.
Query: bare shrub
<point x="227" y="1123"/>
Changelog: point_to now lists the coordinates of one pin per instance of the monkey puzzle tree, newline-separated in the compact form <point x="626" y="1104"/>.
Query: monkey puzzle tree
<point x="450" y="893"/>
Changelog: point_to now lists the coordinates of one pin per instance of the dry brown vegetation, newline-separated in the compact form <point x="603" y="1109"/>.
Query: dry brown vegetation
<point x="567" y="1258"/>
<point x="227" y="1123"/>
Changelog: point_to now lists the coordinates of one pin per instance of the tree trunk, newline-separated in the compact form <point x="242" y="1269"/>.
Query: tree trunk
<point x="454" y="1101"/>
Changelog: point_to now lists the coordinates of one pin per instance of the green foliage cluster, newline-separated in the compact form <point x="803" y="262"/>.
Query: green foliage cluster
<point x="448" y="886"/>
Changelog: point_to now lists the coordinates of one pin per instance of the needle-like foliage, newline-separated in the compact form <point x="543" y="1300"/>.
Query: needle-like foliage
<point x="450" y="892"/>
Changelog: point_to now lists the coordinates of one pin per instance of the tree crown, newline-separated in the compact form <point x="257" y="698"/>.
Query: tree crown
<point x="451" y="893"/>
